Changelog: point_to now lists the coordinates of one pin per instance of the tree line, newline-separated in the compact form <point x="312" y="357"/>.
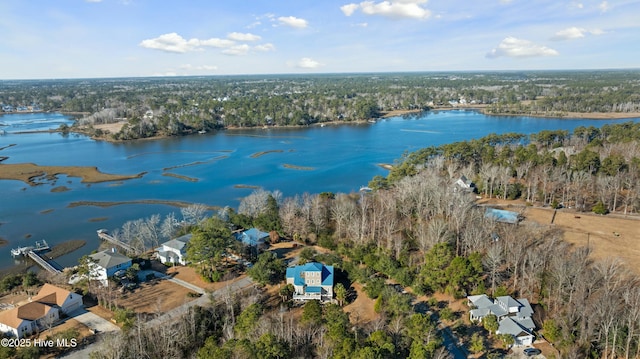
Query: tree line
<point x="178" y="106"/>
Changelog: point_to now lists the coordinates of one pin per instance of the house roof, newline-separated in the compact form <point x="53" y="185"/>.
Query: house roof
<point x="109" y="258"/>
<point x="10" y="318"/>
<point x="525" y="311"/>
<point x="33" y="310"/>
<point x="297" y="273"/>
<point x="510" y="326"/>
<point x="508" y="302"/>
<point x="480" y="301"/>
<point x="500" y="215"/>
<point x="52" y="295"/>
<point x="252" y="237"/>
<point x="178" y="243"/>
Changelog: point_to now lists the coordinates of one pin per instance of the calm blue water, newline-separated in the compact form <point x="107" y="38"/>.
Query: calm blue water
<point x="343" y="158"/>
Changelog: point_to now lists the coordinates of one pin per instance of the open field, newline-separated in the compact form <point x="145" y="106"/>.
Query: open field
<point x="155" y="297"/>
<point x="189" y="275"/>
<point x="609" y="236"/>
<point x="361" y="310"/>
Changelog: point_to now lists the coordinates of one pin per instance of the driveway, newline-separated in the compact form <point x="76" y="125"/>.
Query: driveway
<point x="93" y="321"/>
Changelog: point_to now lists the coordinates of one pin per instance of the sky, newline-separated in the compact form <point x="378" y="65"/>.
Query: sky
<point x="44" y="39"/>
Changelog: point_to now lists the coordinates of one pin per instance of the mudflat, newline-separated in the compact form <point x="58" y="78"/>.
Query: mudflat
<point x="33" y="174"/>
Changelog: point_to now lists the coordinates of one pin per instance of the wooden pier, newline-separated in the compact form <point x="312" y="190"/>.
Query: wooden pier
<point x="104" y="235"/>
<point x="33" y="252"/>
<point x="45" y="263"/>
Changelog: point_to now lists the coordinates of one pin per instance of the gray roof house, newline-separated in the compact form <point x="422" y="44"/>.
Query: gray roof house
<point x="522" y="334"/>
<point x="514" y="315"/>
<point x="174" y="251"/>
<point x="106" y="263"/>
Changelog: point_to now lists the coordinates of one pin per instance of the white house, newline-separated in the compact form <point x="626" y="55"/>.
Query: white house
<point x="43" y="311"/>
<point x="311" y="281"/>
<point x="174" y="251"/>
<point x="106" y="263"/>
<point x="465" y="184"/>
<point x="514" y="315"/>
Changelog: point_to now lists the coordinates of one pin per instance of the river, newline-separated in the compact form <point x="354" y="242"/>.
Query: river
<point x="335" y="158"/>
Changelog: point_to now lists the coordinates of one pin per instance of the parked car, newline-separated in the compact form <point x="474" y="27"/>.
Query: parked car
<point x="530" y="352"/>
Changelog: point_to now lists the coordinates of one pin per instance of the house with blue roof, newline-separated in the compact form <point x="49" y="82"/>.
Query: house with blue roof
<point x="311" y="281"/>
<point x="253" y="237"/>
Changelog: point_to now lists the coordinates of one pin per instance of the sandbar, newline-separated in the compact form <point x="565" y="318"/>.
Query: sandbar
<point x="30" y="173"/>
<point x="186" y="178"/>
<point x="301" y="168"/>
<point x="179" y="204"/>
<point x="258" y="154"/>
<point x="246" y="186"/>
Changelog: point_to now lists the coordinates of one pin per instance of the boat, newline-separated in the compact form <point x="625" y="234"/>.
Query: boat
<point x="202" y="132"/>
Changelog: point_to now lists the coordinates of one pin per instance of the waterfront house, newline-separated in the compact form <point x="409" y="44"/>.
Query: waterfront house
<point x="41" y="313"/>
<point x="311" y="281"/>
<point x="106" y="263"/>
<point x="174" y="251"/>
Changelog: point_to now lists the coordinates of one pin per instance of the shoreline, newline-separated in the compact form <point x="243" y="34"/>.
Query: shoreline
<point x="384" y="115"/>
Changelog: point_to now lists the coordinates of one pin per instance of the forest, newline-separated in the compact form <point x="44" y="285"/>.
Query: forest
<point x="184" y="105"/>
<point x="418" y="229"/>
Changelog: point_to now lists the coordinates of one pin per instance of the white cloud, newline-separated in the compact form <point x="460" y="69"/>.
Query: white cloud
<point x="513" y="47"/>
<point x="573" y="33"/>
<point x="238" y="36"/>
<point x="237" y="50"/>
<point x="349" y="9"/>
<point x="173" y="42"/>
<point x="199" y="68"/>
<point x="570" y="34"/>
<point x="395" y="9"/>
<point x="215" y="42"/>
<point x="604" y="6"/>
<point x="293" y="21"/>
<point x="308" y="63"/>
<point x="265" y="47"/>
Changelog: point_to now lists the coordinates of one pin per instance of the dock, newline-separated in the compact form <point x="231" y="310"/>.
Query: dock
<point x="104" y="235"/>
<point x="33" y="252"/>
<point x="45" y="263"/>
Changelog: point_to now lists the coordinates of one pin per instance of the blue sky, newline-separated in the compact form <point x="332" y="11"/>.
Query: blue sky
<point x="115" y="38"/>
